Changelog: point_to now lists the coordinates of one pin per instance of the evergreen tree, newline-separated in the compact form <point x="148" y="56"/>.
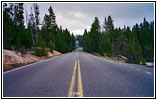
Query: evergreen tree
<point x="86" y="41"/>
<point x="95" y="35"/>
<point x="18" y="44"/>
<point x="52" y="17"/>
<point x="107" y="44"/>
<point x="109" y="28"/>
<point x="8" y="28"/>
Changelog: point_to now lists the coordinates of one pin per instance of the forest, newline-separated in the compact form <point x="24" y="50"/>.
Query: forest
<point x="136" y="43"/>
<point x="34" y="35"/>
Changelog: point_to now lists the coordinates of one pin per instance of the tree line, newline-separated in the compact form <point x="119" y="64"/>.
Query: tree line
<point x="136" y="43"/>
<point x="47" y="34"/>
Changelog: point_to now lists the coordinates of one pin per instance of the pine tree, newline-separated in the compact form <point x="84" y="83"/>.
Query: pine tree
<point x="8" y="28"/>
<point x="95" y="35"/>
<point x="18" y="43"/>
<point x="53" y="25"/>
<point x="86" y="41"/>
<point x="52" y="17"/>
<point x="107" y="44"/>
<point x="109" y="28"/>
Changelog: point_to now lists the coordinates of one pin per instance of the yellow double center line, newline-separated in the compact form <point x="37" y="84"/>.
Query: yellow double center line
<point x="79" y="92"/>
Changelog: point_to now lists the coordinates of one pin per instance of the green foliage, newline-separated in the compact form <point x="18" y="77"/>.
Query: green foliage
<point x="101" y="51"/>
<point x="107" y="44"/>
<point x="86" y="41"/>
<point x="91" y="39"/>
<point x="14" y="32"/>
<point x="109" y="29"/>
<point x="43" y="47"/>
<point x="143" y="60"/>
<point x="64" y="41"/>
<point x="18" y="43"/>
<point x="95" y="35"/>
<point x="38" y="51"/>
<point x="137" y="44"/>
<point x="51" y="46"/>
<point x="26" y="38"/>
<point x="8" y="28"/>
<point x="41" y="51"/>
<point x="50" y="36"/>
<point x="61" y="39"/>
<point x="149" y="53"/>
<point x="134" y="52"/>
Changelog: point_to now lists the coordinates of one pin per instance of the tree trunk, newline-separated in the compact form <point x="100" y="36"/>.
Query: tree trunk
<point x="32" y="37"/>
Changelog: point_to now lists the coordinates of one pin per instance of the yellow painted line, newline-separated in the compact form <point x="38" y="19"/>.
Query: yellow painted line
<point x="79" y="83"/>
<point x="71" y="89"/>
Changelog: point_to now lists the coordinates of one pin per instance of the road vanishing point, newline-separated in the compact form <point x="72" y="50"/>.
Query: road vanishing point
<point x="79" y="74"/>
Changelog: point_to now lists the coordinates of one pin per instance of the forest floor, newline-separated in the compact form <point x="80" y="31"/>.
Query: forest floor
<point x="12" y="59"/>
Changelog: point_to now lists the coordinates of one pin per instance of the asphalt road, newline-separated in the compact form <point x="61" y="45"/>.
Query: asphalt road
<point x="79" y="74"/>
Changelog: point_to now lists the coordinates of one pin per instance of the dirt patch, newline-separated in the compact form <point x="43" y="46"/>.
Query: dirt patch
<point x="12" y="66"/>
<point x="12" y="59"/>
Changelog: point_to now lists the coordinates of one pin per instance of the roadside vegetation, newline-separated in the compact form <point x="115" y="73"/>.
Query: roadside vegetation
<point x="34" y="36"/>
<point x="136" y="43"/>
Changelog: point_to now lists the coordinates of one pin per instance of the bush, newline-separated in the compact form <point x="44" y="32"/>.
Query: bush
<point x="44" y="52"/>
<point x="108" y="54"/>
<point x="38" y="51"/>
<point x="143" y="60"/>
<point x="101" y="51"/>
<point x="51" y="46"/>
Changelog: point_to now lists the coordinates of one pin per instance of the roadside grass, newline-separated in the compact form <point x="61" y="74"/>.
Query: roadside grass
<point x="109" y="58"/>
<point x="113" y="59"/>
<point x="150" y="64"/>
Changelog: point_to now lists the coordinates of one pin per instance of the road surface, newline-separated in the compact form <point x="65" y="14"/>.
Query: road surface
<point x="79" y="74"/>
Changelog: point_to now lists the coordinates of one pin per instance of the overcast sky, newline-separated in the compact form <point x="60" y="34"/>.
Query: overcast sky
<point x="79" y="16"/>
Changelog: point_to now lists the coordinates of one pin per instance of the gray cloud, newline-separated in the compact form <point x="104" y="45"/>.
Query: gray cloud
<point x="78" y="16"/>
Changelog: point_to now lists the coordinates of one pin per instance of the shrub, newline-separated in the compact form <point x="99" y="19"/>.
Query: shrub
<point x="108" y="54"/>
<point x="101" y="51"/>
<point x="38" y="51"/>
<point x="143" y="60"/>
<point x="51" y="46"/>
<point x="44" y="52"/>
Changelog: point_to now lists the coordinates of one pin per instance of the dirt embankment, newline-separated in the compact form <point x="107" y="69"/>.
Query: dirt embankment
<point x="12" y="59"/>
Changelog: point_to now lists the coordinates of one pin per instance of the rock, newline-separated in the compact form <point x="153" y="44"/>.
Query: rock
<point x="149" y="63"/>
<point x="122" y="57"/>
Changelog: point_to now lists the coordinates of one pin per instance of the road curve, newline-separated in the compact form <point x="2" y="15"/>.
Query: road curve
<point x="99" y="78"/>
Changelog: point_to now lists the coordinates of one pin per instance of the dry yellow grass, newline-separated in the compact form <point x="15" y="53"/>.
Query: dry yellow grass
<point x="109" y="58"/>
<point x="113" y="59"/>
